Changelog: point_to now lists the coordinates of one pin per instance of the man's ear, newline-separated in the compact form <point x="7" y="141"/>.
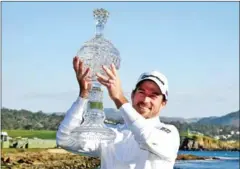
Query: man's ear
<point x="132" y="95"/>
<point x="164" y="103"/>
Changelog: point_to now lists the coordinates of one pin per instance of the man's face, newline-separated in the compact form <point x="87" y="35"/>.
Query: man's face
<point x="148" y="99"/>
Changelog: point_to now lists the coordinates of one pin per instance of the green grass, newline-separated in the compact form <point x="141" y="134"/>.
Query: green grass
<point x="185" y="134"/>
<point x="20" y="150"/>
<point x="43" y="134"/>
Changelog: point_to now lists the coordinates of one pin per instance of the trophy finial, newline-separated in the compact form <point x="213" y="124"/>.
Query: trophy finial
<point x="101" y="15"/>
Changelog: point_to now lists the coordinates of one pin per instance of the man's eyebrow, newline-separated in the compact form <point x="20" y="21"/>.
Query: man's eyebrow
<point x="157" y="93"/>
<point x="140" y="89"/>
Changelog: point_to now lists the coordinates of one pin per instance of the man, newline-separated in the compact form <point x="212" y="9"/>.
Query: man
<point x="143" y="142"/>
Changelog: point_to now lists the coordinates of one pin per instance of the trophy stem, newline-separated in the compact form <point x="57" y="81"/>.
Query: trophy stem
<point x="93" y="127"/>
<point x="99" y="29"/>
<point x="95" y="115"/>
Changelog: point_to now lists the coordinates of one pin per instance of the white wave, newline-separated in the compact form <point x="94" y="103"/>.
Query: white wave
<point x="228" y="158"/>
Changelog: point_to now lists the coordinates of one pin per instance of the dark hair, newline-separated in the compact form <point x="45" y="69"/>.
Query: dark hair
<point x="137" y="85"/>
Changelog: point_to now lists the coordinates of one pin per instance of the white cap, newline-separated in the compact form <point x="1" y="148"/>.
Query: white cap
<point x="159" y="78"/>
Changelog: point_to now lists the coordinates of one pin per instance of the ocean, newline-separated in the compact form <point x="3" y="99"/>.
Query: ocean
<point x="228" y="160"/>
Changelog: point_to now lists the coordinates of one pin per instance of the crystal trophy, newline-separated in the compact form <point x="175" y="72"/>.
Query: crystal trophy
<point x="94" y="53"/>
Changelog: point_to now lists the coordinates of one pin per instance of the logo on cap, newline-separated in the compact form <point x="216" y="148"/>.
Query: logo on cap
<point x="146" y="76"/>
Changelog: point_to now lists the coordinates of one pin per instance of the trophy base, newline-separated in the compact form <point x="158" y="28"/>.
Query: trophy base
<point x="95" y="133"/>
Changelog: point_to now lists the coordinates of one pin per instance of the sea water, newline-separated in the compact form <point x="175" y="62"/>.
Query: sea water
<point x="227" y="160"/>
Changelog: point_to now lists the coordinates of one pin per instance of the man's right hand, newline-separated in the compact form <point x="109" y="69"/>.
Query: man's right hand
<point x="82" y="77"/>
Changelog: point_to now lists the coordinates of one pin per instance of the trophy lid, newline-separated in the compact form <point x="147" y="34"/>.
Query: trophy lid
<point x="101" y="15"/>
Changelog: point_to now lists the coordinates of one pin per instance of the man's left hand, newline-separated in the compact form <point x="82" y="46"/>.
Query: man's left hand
<point x="113" y="84"/>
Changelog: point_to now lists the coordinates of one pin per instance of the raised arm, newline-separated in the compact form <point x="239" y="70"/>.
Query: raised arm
<point x="73" y="118"/>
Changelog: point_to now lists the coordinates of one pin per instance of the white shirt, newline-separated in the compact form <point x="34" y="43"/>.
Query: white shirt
<point x="140" y="143"/>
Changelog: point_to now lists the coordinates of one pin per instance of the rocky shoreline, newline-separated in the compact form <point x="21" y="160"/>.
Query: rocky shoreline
<point x="59" y="158"/>
<point x="207" y="144"/>
<point x="193" y="157"/>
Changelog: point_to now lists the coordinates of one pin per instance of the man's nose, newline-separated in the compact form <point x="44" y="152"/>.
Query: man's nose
<point x="146" y="99"/>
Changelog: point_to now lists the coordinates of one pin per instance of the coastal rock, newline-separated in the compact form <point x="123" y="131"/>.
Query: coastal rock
<point x="193" y="157"/>
<point x="191" y="144"/>
<point x="208" y="144"/>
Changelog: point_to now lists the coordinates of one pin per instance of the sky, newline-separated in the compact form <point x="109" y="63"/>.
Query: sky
<point x="194" y="44"/>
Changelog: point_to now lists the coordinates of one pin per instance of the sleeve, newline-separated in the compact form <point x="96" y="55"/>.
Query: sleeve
<point x="162" y="141"/>
<point x="70" y="142"/>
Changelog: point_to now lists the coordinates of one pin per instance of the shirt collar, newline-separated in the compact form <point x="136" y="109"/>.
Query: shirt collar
<point x="154" y="120"/>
